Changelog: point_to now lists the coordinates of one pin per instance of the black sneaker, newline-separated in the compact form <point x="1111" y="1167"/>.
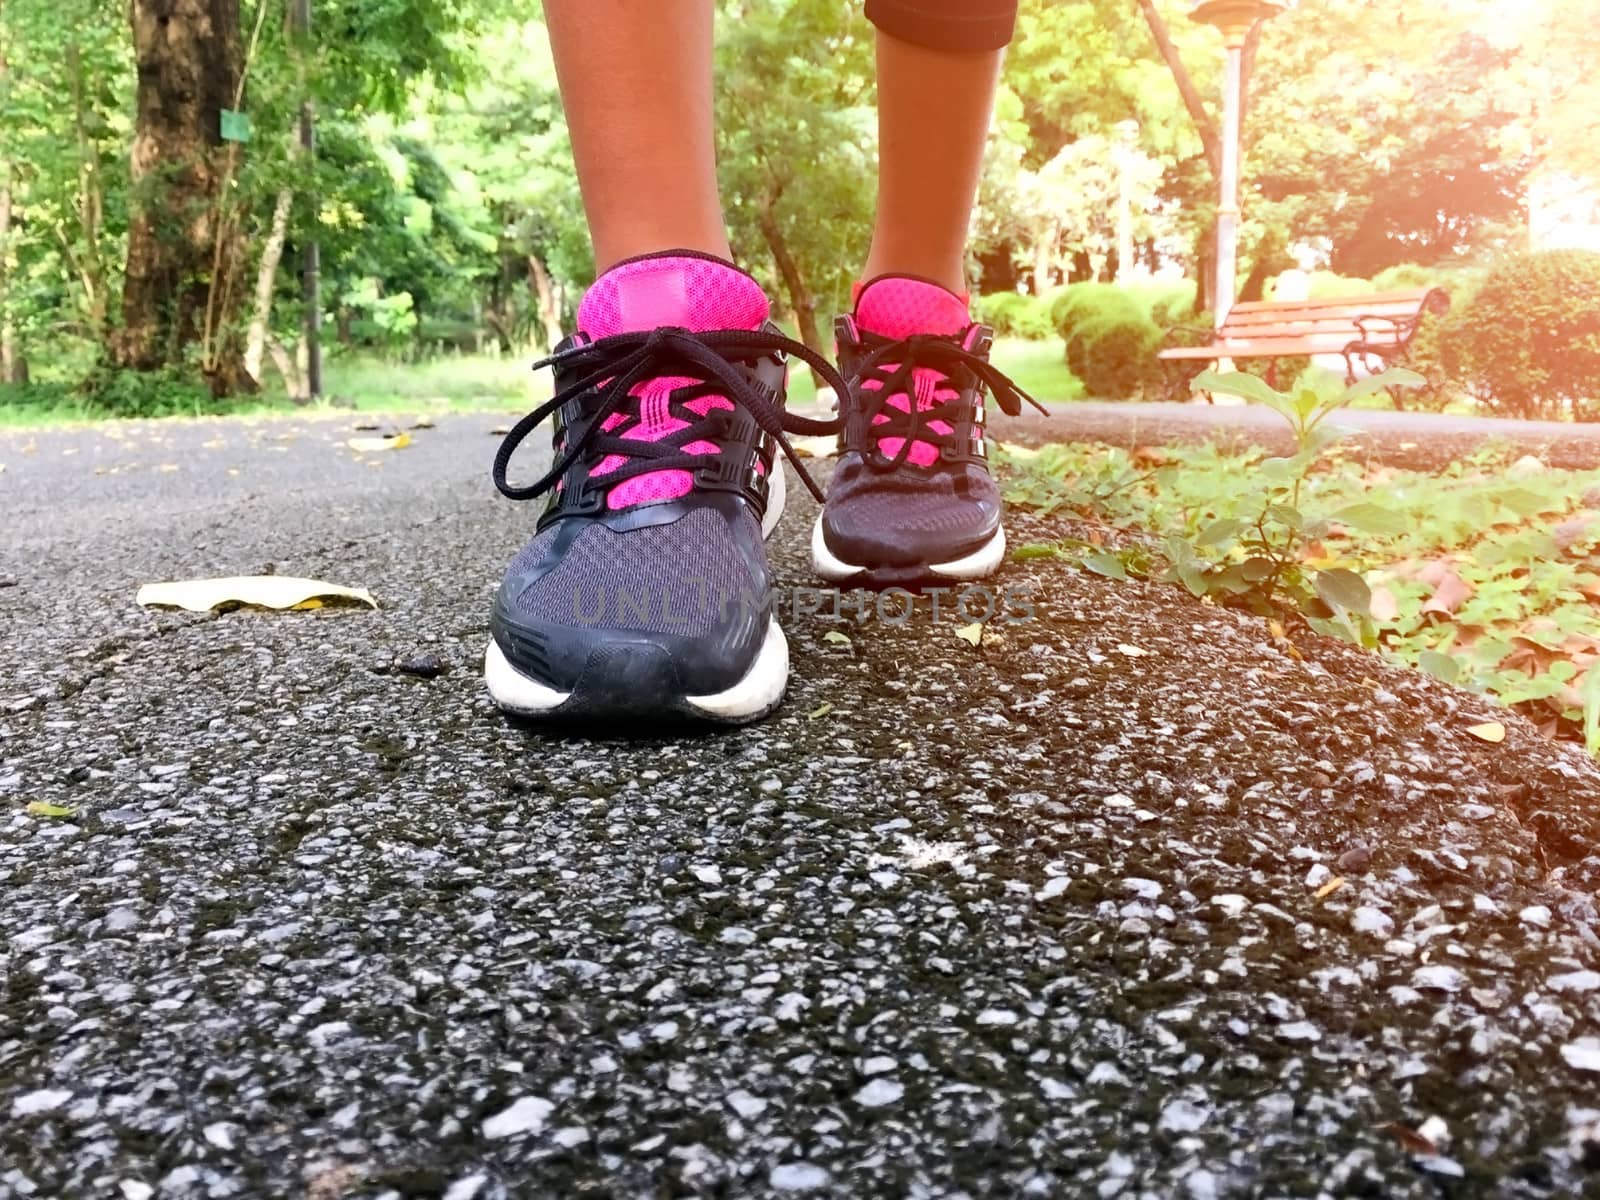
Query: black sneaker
<point x="912" y="500"/>
<point x="646" y="590"/>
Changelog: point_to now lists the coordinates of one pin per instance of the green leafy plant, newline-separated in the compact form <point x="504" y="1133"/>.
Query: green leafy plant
<point x="1485" y="573"/>
<point x="1591" y="712"/>
<point x="1255" y="555"/>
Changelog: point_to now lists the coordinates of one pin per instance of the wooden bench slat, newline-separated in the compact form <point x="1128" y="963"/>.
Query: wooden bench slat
<point x="1274" y="329"/>
<point x="1342" y="317"/>
<point x="1243" y="349"/>
<point x="1412" y="296"/>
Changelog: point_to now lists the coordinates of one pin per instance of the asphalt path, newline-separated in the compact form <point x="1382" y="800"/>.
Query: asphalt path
<point x="1129" y="899"/>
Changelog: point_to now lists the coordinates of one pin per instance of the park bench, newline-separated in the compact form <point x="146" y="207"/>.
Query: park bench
<point x="1369" y="332"/>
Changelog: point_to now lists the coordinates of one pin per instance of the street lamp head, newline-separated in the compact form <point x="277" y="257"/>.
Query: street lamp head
<point x="1234" y="17"/>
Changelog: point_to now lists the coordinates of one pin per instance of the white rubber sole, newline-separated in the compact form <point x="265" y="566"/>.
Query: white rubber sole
<point x="777" y="494"/>
<point x="980" y="564"/>
<point x="757" y="693"/>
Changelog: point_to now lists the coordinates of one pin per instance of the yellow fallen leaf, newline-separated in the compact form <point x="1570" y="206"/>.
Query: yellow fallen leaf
<point x="820" y="710"/>
<point x="971" y="633"/>
<point x="1329" y="888"/>
<point x="815" y="447"/>
<point x="38" y="808"/>
<point x="837" y="638"/>
<point x="1490" y="731"/>
<point x="369" y="445"/>
<point x="255" y="591"/>
<point x="1013" y="450"/>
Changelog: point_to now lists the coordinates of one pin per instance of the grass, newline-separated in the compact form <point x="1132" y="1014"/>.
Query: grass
<point x="467" y="382"/>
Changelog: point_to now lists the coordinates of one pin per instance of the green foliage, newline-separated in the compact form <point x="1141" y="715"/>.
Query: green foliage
<point x="1484" y="578"/>
<point x="1256" y="548"/>
<point x="1011" y="314"/>
<point x="170" y="393"/>
<point x="1528" y="343"/>
<point x="1166" y="302"/>
<point x="1115" y="356"/>
<point x="796" y="139"/>
<point x="1111" y="341"/>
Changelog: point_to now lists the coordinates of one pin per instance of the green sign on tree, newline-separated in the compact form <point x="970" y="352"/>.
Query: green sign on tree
<point x="235" y="126"/>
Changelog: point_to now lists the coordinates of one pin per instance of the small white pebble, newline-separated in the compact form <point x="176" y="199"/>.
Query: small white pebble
<point x="1371" y="920"/>
<point x="1231" y="903"/>
<point x="1438" y="977"/>
<point x="1536" y="915"/>
<point x="1052" y="888"/>
<point x="879" y="1093"/>
<point x="1583" y="1054"/>
<point x="1575" y="981"/>
<point x="747" y="1106"/>
<point x="219" y="1135"/>
<point x="799" y="1177"/>
<point x="527" y="1115"/>
<point x="43" y="1101"/>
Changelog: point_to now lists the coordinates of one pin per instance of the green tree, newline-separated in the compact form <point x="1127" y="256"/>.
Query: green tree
<point x="797" y="148"/>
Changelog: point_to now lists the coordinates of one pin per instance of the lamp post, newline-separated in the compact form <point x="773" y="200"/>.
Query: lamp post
<point x="1234" y="18"/>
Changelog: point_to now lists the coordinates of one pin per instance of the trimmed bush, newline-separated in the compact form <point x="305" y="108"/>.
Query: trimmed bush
<point x="1011" y="314"/>
<point x="1116" y="357"/>
<point x="1111" y="338"/>
<point x="1165" y="303"/>
<point x="1528" y="344"/>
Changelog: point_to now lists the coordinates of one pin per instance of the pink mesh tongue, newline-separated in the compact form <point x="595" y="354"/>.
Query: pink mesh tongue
<point x="896" y="306"/>
<point x="645" y="293"/>
<point x="694" y="293"/>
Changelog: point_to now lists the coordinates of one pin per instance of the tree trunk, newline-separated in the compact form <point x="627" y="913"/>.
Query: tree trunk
<point x="8" y="329"/>
<point x="91" y="268"/>
<point x="804" y="304"/>
<point x="294" y="383"/>
<point x="546" y="302"/>
<point x="1191" y="95"/>
<point x="1044" y="257"/>
<point x="189" y="57"/>
<point x="266" y="283"/>
<point x="9" y="371"/>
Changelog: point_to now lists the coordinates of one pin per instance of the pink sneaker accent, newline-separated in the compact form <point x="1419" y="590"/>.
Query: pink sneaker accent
<point x="895" y="306"/>
<point x="693" y="293"/>
<point x="684" y="290"/>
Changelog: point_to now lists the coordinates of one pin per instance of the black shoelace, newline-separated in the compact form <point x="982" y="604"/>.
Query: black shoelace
<point x="920" y="350"/>
<point x="614" y="365"/>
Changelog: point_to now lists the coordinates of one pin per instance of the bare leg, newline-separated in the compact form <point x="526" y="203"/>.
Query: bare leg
<point x="933" y="121"/>
<point x="636" y="84"/>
